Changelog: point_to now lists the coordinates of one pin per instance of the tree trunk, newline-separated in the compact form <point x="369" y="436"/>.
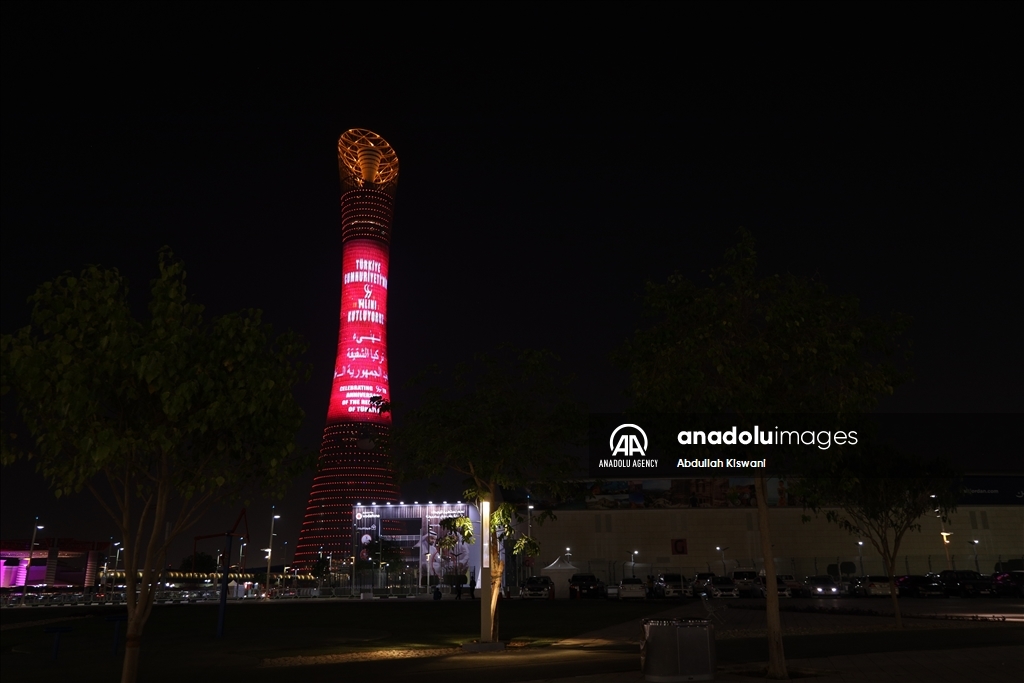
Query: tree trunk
<point x="891" y="564"/>
<point x="776" y="655"/>
<point x="130" y="668"/>
<point x="497" y="569"/>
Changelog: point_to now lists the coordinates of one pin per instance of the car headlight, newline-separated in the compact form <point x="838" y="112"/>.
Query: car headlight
<point x="834" y="590"/>
<point x="819" y="590"/>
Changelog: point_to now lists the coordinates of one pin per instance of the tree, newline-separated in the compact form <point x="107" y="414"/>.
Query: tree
<point x="748" y="345"/>
<point x="452" y="533"/>
<point x="202" y="563"/>
<point x="503" y="421"/>
<point x="880" y="494"/>
<point x="159" y="418"/>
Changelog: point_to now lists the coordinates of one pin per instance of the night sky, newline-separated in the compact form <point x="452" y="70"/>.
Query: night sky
<point x="544" y="179"/>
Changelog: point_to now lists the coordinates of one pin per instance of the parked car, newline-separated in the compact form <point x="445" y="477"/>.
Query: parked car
<point x="632" y="588"/>
<point x="701" y="581"/>
<point x="819" y="586"/>
<point x="795" y="587"/>
<point x="746" y="581"/>
<point x="965" y="583"/>
<point x="723" y="587"/>
<point x="537" y="587"/>
<point x="1009" y="583"/>
<point x="669" y="586"/>
<point x="585" y="586"/>
<point x="917" y="586"/>
<point x="784" y="591"/>
<point x="871" y="586"/>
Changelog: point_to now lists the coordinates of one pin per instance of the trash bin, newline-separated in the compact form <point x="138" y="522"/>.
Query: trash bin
<point x="675" y="650"/>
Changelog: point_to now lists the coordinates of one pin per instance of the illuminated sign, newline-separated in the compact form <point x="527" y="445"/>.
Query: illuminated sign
<point x="362" y="364"/>
<point x="416" y="531"/>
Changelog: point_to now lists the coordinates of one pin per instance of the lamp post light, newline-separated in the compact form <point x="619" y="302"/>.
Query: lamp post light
<point x="945" y="544"/>
<point x="860" y="553"/>
<point x="722" y="550"/>
<point x="270" y="549"/>
<point x="31" y="551"/>
<point x="975" y="544"/>
<point x="632" y="559"/>
<point x="241" y="554"/>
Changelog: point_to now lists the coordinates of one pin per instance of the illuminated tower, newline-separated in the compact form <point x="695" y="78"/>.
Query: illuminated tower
<point x="351" y="467"/>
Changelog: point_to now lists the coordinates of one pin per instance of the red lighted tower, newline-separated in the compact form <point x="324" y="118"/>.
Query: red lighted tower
<point x="351" y="467"/>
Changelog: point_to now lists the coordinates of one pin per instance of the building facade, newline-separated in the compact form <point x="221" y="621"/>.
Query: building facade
<point x="699" y="525"/>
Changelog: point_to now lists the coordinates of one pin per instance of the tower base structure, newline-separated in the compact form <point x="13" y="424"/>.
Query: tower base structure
<point x="351" y="470"/>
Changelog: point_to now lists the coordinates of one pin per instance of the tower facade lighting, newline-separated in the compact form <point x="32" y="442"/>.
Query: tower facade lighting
<point x="352" y="465"/>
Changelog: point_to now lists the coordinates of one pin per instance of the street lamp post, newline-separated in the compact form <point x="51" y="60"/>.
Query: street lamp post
<point x="270" y="546"/>
<point x="860" y="553"/>
<point x="529" y="528"/>
<point x="31" y="551"/>
<point x="975" y="544"/>
<point x="945" y="535"/>
<point x="632" y="559"/>
<point x="113" y="578"/>
<point x="722" y="550"/>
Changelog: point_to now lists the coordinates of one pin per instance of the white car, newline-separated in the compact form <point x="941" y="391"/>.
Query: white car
<point x="872" y="586"/>
<point x="723" y="587"/>
<point x="538" y="587"/>
<point x="669" y="586"/>
<point x="632" y="588"/>
<point x="746" y="581"/>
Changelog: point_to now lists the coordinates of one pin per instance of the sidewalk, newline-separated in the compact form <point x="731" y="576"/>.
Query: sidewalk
<point x="751" y="623"/>
<point x="999" y="664"/>
<point x="995" y="664"/>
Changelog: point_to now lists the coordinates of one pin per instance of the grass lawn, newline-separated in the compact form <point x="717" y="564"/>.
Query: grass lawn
<point x="180" y="644"/>
<point x="180" y="639"/>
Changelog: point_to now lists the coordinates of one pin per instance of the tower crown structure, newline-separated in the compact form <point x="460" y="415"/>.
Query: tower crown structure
<point x="352" y="467"/>
<point x="365" y="158"/>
